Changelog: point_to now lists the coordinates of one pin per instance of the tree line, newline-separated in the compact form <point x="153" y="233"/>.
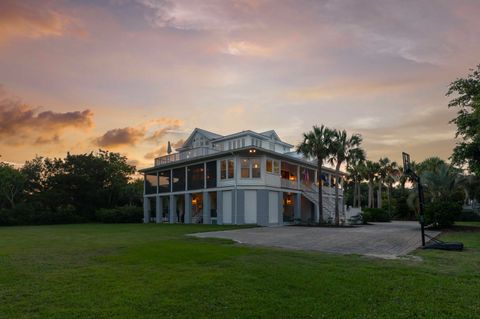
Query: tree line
<point x="447" y="185"/>
<point x="77" y="188"/>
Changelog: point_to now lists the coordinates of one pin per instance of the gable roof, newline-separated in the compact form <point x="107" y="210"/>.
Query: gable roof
<point x="209" y="135"/>
<point x="271" y="134"/>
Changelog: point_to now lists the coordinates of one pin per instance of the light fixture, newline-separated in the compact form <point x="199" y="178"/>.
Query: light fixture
<point x="194" y="201"/>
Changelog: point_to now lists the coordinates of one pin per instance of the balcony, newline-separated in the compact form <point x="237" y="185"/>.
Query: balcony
<point x="196" y="152"/>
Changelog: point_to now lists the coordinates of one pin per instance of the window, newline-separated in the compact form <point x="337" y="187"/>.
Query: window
<point x="230" y="169"/>
<point x="230" y="145"/>
<point x="223" y="169"/>
<point x="243" y="142"/>
<point x="212" y="174"/>
<point x="269" y="166"/>
<point x="276" y="167"/>
<point x="245" y="168"/>
<point x="250" y="168"/>
<point x="273" y="166"/>
<point x="255" y="168"/>
<point x="226" y="169"/>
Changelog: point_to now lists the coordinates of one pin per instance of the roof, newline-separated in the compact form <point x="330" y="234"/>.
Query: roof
<point x="207" y="134"/>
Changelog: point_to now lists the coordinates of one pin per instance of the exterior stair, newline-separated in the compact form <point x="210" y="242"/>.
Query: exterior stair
<point x="311" y="193"/>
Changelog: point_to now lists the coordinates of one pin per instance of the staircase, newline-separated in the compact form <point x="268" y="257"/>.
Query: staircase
<point x="311" y="193"/>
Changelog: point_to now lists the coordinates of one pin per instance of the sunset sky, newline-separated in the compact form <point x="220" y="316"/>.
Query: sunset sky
<point x="130" y="75"/>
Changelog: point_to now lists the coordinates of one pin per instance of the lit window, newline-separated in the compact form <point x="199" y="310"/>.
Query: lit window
<point x="255" y="168"/>
<point x="245" y="168"/>
<point x="223" y="169"/>
<point x="276" y="167"/>
<point x="230" y="168"/>
<point x="269" y="166"/>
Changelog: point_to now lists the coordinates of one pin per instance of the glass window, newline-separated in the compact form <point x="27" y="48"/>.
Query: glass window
<point x="164" y="181"/>
<point x="255" y="168"/>
<point x="178" y="179"/>
<point x="230" y="168"/>
<point x="151" y="182"/>
<point x="276" y="167"/>
<point x="243" y="142"/>
<point x="223" y="169"/>
<point x="212" y="174"/>
<point x="245" y="168"/>
<point x="269" y="166"/>
<point x="195" y="177"/>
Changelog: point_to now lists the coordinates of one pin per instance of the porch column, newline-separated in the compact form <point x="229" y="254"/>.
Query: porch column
<point x="297" y="207"/>
<point x="159" y="210"/>
<point x="173" y="209"/>
<point x="188" y="208"/>
<point x="206" y="208"/>
<point x="146" y="210"/>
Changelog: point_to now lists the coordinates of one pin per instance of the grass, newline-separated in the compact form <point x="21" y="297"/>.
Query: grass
<point x="154" y="271"/>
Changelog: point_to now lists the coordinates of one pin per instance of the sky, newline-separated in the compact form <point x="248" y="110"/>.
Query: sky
<point x="130" y="75"/>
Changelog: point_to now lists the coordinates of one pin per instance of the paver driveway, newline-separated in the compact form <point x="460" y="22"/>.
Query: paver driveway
<point x="386" y="240"/>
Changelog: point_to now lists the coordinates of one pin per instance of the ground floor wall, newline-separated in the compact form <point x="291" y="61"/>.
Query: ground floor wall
<point x="265" y="207"/>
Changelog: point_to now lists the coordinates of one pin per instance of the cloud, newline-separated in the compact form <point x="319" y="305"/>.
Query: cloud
<point x="198" y="14"/>
<point x="239" y="48"/>
<point x="120" y="137"/>
<point x="163" y="150"/>
<point x="35" y="20"/>
<point x="21" y="123"/>
<point x="148" y="131"/>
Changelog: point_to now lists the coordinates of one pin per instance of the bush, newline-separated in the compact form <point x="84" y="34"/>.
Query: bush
<point x="469" y="216"/>
<point x="442" y="213"/>
<point x="375" y="215"/>
<point x="122" y="214"/>
<point x="28" y="214"/>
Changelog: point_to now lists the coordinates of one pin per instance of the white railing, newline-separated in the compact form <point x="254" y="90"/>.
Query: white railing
<point x="196" y="152"/>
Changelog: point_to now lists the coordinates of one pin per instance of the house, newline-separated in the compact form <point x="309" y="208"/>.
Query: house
<point x="241" y="178"/>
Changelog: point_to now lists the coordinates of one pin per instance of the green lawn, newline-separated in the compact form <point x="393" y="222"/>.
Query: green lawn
<point x="154" y="271"/>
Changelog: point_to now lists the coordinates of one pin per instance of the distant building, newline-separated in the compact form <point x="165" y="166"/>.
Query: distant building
<point x="241" y="178"/>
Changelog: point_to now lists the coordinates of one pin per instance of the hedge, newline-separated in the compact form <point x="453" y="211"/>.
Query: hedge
<point x="122" y="214"/>
<point x="375" y="215"/>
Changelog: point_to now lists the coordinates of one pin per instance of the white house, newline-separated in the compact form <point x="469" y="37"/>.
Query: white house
<point x="241" y="178"/>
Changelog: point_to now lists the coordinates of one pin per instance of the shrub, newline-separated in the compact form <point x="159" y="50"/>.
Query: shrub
<point x="375" y="215"/>
<point x="28" y="214"/>
<point x="122" y="214"/>
<point x="469" y="216"/>
<point x="442" y="213"/>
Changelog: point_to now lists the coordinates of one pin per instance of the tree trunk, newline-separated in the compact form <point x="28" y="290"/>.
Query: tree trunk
<point x="359" y="195"/>
<point x="379" y="195"/>
<point x="320" y="190"/>
<point x="354" y="193"/>
<point x="389" y="202"/>
<point x="337" y="210"/>
<point x="370" y="194"/>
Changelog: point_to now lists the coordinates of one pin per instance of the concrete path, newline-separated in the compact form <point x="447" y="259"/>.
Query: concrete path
<point x="385" y="240"/>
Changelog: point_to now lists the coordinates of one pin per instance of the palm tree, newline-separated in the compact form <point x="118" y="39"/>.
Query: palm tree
<point x="393" y="175"/>
<point x="355" y="170"/>
<point x="384" y="168"/>
<point x="441" y="182"/>
<point x="370" y="174"/>
<point x="345" y="149"/>
<point x="317" y="144"/>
